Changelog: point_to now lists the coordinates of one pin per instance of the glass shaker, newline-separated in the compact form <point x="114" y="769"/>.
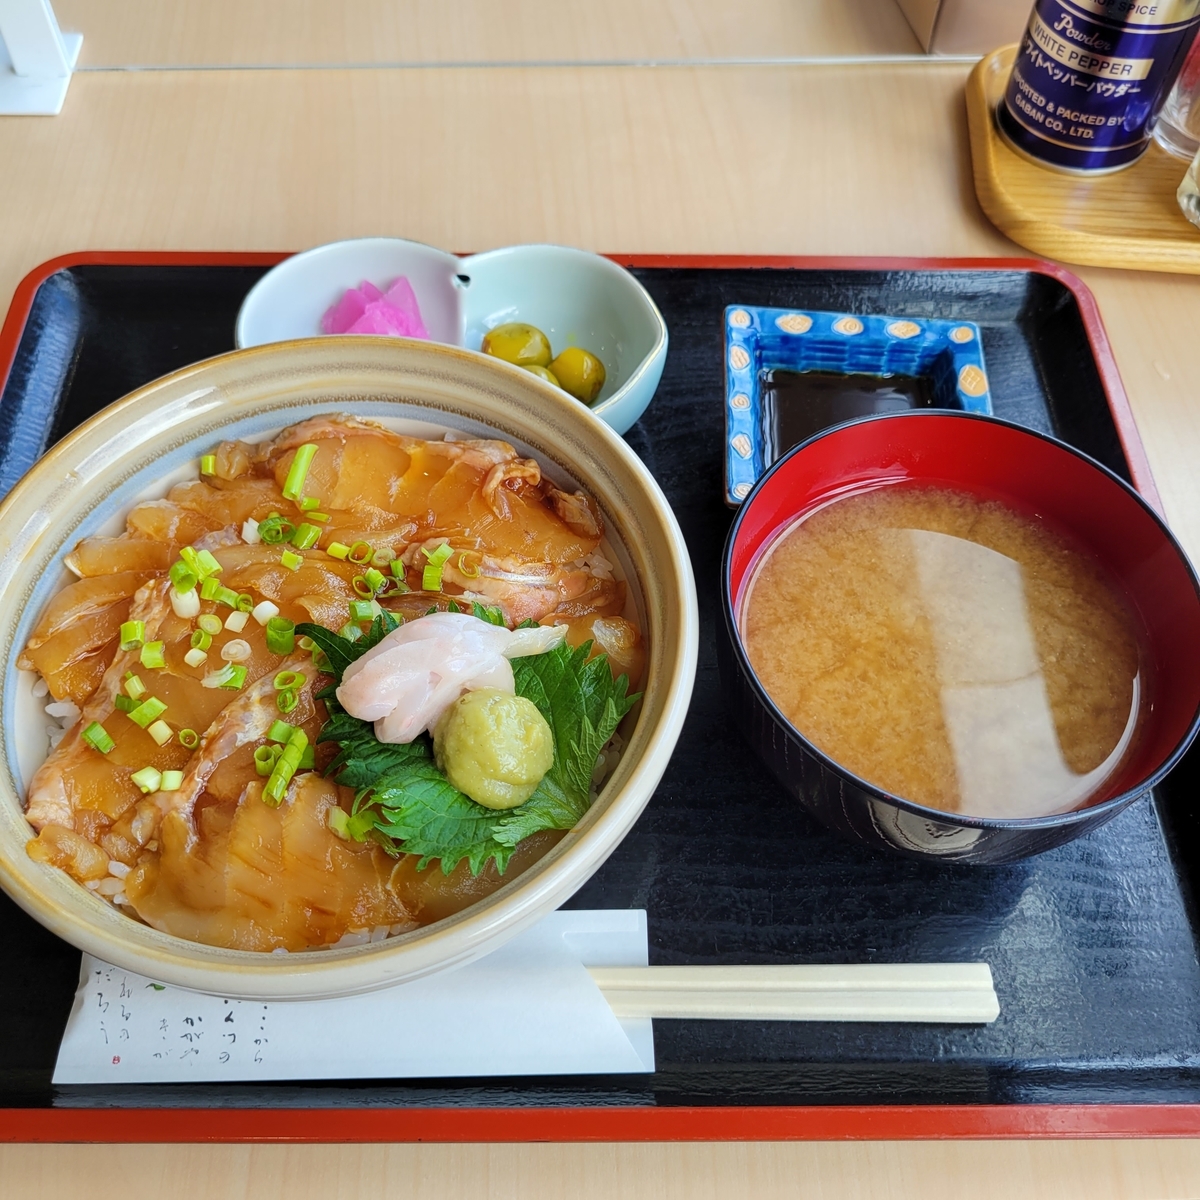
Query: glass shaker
<point x="1178" y="128"/>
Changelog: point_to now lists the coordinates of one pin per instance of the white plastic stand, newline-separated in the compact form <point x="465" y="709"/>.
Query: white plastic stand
<point x="36" y="59"/>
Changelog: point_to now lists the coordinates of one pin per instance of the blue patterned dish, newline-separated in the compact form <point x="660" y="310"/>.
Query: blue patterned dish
<point x="949" y="354"/>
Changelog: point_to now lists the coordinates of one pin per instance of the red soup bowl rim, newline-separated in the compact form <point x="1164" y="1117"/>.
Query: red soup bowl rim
<point x="730" y="604"/>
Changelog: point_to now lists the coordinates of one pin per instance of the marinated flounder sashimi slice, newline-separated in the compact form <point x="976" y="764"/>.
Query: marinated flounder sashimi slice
<point x="74" y="775"/>
<point x="102" y="556"/>
<point x="244" y="721"/>
<point x="78" y="601"/>
<point x="613" y="636"/>
<point x="77" y="641"/>
<point x="481" y="491"/>
<point x="267" y="878"/>
<point x="73" y="641"/>
<point x="430" y="895"/>
<point x="166" y="522"/>
<point x="221" y="503"/>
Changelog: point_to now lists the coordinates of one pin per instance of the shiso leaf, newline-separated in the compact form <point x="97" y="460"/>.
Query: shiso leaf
<point x="415" y="807"/>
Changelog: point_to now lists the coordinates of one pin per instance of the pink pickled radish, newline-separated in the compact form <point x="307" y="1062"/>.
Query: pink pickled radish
<point x="366" y="309"/>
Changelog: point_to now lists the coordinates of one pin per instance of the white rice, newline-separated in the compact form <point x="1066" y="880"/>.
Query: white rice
<point x="63" y="712"/>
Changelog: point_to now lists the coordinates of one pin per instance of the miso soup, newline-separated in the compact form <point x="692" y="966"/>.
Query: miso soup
<point x="949" y="650"/>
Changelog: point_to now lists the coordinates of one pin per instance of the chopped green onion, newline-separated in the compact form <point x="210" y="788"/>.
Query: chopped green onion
<point x="226" y="596"/>
<point x="281" y="635"/>
<point x="305" y="643"/>
<point x="161" y="732"/>
<point x="362" y="610"/>
<point x="470" y="573"/>
<point x="134" y="687"/>
<point x="133" y="633"/>
<point x="338" y="821"/>
<point x="152" y="656"/>
<point x="337" y="550"/>
<point x="172" y="781"/>
<point x="288" y="679"/>
<point x="319" y="517"/>
<point x="236" y="650"/>
<point x="306" y="536"/>
<point x="290" y="560"/>
<point x="308" y="503"/>
<point x="192" y="561"/>
<point x="189" y="738"/>
<point x="286" y="700"/>
<point x="124" y="703"/>
<point x="201" y="639"/>
<point x="96" y="736"/>
<point x="209" y="588"/>
<point x="183" y="577"/>
<point x="211" y="624"/>
<point x="280" y="731"/>
<point x="285" y="768"/>
<point x="362" y="587"/>
<point x="208" y="464"/>
<point x="308" y="759"/>
<point x="382" y="556"/>
<point x="208" y="564"/>
<point x="148" y="779"/>
<point x="398" y="581"/>
<point x="264" y="611"/>
<point x="185" y="604"/>
<point x="294" y="484"/>
<point x="250" y="534"/>
<point x="360" y="553"/>
<point x="431" y="576"/>
<point x="149" y="710"/>
<point x="350" y="632"/>
<point x="275" y="529"/>
<point x="245" y="602"/>
<point x="196" y="657"/>
<point x="321" y="660"/>
<point x="231" y="676"/>
<point x="397" y="568"/>
<point x="375" y="579"/>
<point x="264" y="758"/>
<point x="236" y="621"/>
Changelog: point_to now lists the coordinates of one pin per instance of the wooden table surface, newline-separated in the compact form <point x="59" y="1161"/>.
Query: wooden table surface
<point x="283" y="125"/>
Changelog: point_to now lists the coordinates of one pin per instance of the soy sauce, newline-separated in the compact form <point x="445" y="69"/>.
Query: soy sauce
<point x="798" y="404"/>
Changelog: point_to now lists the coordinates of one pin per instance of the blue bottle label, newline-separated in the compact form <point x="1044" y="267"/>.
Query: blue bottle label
<point x="1090" y="77"/>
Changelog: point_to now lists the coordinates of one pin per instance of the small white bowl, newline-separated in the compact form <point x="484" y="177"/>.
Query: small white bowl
<point x="576" y="298"/>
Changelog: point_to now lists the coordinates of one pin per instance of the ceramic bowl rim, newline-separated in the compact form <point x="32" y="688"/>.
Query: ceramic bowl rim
<point x="288" y="372"/>
<point x="1087" y="813"/>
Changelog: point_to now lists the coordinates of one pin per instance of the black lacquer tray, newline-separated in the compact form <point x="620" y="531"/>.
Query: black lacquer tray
<point x="1092" y="946"/>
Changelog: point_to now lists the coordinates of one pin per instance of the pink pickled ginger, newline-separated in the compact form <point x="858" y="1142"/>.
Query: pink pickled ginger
<point x="365" y="309"/>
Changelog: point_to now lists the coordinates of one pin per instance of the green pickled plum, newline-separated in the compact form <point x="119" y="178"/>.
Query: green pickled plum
<point x="525" y="345"/>
<point x="580" y="373"/>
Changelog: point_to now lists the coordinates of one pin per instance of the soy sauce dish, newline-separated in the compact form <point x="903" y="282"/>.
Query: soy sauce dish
<point x="954" y="638"/>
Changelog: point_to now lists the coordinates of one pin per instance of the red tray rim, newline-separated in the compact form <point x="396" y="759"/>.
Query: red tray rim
<point x="623" y="1123"/>
<point x="1110" y="376"/>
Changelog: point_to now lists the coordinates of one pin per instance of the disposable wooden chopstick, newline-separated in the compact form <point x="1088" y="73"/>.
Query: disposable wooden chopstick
<point x="958" y="993"/>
